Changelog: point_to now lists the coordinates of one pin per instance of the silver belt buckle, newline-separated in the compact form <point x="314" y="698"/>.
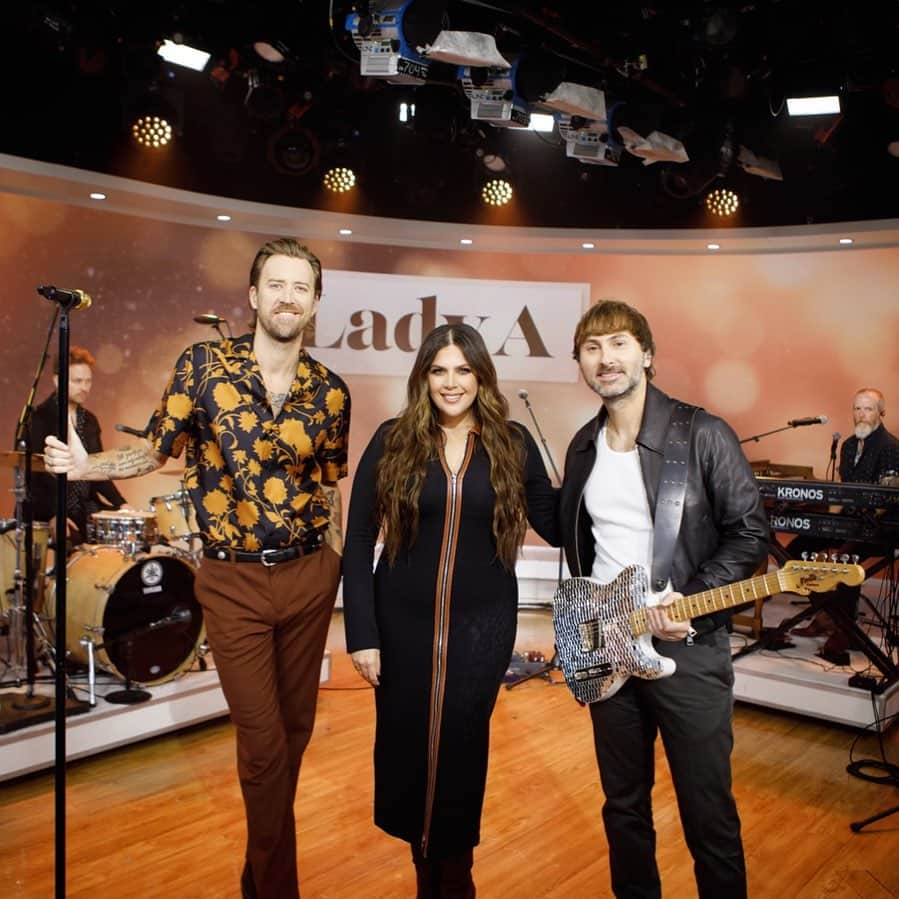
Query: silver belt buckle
<point x="263" y="559"/>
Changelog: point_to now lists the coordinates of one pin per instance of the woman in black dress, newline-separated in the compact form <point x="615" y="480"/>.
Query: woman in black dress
<point x="451" y="484"/>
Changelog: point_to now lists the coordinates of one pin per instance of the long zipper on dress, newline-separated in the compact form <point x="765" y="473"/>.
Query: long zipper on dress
<point x="441" y="630"/>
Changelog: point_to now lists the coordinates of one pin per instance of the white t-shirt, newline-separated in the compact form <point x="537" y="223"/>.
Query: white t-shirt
<point x="615" y="498"/>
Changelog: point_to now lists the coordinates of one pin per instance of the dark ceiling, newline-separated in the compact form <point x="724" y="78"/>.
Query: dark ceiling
<point x="714" y="76"/>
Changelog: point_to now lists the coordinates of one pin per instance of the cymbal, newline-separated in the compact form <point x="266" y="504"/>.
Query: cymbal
<point x="16" y="459"/>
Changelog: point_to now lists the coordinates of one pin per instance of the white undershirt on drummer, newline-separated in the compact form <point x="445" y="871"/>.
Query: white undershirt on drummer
<point x="615" y="498"/>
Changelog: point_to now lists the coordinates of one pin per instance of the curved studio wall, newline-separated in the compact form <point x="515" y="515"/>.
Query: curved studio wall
<point x="761" y="332"/>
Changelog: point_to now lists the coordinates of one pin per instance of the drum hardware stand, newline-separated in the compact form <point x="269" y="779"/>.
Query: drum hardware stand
<point x="554" y="663"/>
<point x="130" y="695"/>
<point x="88" y="643"/>
<point x="24" y="529"/>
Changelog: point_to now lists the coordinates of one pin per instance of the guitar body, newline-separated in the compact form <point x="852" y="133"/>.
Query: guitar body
<point x="602" y="631"/>
<point x="595" y="636"/>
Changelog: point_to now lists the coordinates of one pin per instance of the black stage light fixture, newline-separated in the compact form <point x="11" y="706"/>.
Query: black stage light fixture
<point x="264" y="98"/>
<point x="387" y="34"/>
<point x="293" y="150"/>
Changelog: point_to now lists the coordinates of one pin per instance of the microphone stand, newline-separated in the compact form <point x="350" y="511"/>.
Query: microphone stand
<point x="217" y="321"/>
<point x="553" y="663"/>
<point x="131" y="695"/>
<point x="832" y="465"/>
<point x="757" y="437"/>
<point x="62" y="512"/>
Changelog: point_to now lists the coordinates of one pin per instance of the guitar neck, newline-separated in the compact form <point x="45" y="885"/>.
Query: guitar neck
<point x="715" y="600"/>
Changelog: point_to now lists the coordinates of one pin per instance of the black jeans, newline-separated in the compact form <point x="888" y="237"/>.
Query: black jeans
<point x="693" y="712"/>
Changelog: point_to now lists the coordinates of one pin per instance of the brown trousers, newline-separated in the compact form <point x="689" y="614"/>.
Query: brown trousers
<point x="267" y="628"/>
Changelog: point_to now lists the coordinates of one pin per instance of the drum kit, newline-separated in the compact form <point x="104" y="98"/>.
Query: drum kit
<point x="130" y="607"/>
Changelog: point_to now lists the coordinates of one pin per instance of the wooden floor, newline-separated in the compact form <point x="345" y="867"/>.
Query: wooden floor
<point x="164" y="818"/>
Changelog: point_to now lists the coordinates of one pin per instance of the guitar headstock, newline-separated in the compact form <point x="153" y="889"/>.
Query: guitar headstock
<point x="819" y="575"/>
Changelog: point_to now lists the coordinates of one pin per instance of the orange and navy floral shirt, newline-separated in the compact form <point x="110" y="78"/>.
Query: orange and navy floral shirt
<point x="255" y="479"/>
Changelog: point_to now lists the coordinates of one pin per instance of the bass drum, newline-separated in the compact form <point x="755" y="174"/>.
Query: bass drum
<point x="143" y="600"/>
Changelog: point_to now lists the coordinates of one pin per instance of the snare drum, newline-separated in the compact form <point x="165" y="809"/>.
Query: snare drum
<point x="126" y="528"/>
<point x="116" y="597"/>
<point x="11" y="559"/>
<point x="175" y="515"/>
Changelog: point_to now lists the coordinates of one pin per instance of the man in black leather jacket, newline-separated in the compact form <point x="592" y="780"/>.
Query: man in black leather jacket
<point x="608" y="506"/>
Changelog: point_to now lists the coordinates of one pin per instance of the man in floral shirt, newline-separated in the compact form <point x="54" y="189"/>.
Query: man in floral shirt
<point x="264" y="427"/>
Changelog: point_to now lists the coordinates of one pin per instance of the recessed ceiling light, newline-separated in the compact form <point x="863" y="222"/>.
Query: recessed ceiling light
<point x="96" y="195"/>
<point x="589" y="246"/>
<point x="845" y="241"/>
<point x="223" y="218"/>
<point x="467" y="241"/>
<point x="713" y="246"/>
<point x="345" y="231"/>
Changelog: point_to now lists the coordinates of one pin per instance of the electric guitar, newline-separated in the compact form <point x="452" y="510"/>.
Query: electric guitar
<point x="602" y="632"/>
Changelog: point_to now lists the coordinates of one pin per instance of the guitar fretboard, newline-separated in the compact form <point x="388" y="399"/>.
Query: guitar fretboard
<point x="715" y="600"/>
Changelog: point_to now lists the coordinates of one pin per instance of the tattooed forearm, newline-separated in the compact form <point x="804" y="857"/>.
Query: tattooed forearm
<point x="334" y="534"/>
<point x="123" y="463"/>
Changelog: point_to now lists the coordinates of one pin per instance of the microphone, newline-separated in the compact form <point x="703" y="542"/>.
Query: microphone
<point x="209" y="318"/>
<point x="833" y="445"/>
<point x="132" y="431"/>
<point x="7" y="524"/>
<point x="812" y="420"/>
<point x="523" y="394"/>
<point x="70" y="299"/>
<point x="177" y="616"/>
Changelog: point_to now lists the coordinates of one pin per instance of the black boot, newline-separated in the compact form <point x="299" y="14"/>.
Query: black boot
<point x="455" y="876"/>
<point x="426" y="874"/>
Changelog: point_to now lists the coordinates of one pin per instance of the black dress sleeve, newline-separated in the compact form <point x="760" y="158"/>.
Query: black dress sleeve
<point x="360" y="623"/>
<point x="542" y="498"/>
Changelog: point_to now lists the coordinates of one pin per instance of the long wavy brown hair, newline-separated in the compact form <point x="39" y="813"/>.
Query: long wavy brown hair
<point x="415" y="437"/>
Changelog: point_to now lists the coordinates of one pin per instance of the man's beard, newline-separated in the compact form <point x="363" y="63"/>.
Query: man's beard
<point x="864" y="430"/>
<point x="284" y="333"/>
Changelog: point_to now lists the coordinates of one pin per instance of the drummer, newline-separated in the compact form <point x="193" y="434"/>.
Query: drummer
<point x="84" y="497"/>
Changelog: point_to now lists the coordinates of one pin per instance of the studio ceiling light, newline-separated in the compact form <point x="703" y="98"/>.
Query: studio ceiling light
<point x="151" y="131"/>
<point x="496" y="192"/>
<point x="183" y="55"/>
<point x="722" y="202"/>
<point x="813" y="105"/>
<point x="340" y="179"/>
